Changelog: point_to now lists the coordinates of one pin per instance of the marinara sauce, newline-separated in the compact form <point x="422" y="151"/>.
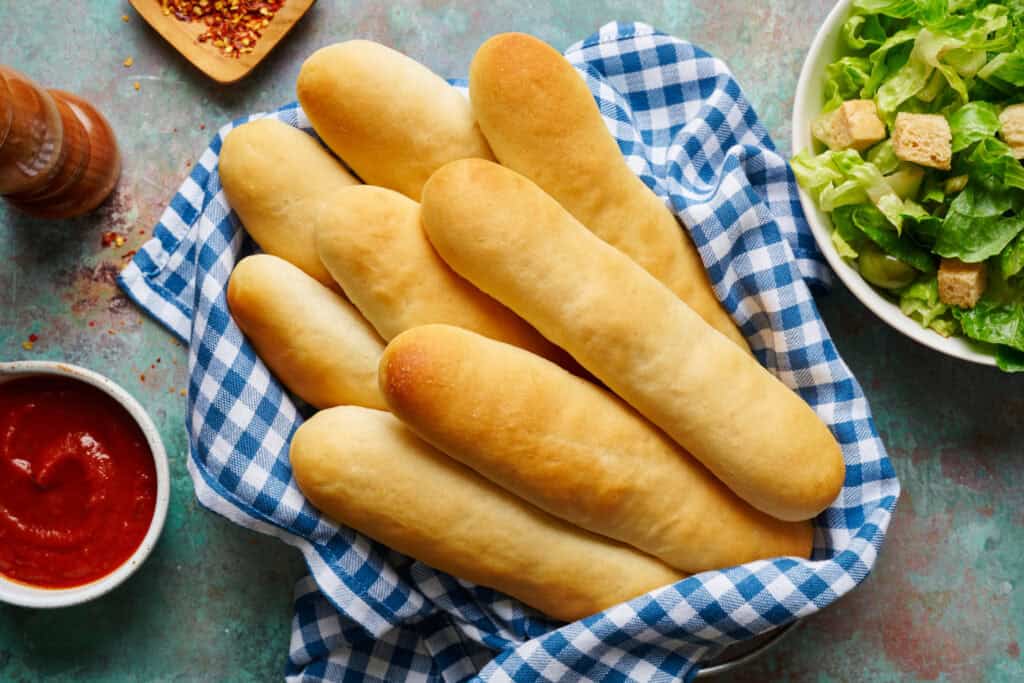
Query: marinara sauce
<point x="77" y="482"/>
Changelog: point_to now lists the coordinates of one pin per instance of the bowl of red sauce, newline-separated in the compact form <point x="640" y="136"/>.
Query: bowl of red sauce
<point x="84" y="484"/>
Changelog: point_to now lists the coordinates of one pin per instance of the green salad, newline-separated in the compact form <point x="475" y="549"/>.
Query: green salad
<point x="922" y="134"/>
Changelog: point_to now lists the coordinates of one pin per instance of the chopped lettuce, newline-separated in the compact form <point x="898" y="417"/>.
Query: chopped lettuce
<point x="924" y="10"/>
<point x="972" y="123"/>
<point x="1009" y="360"/>
<point x="994" y="322"/>
<point x="844" y="80"/>
<point x="977" y="227"/>
<point x="964" y="60"/>
<point x="883" y="157"/>
<point x="992" y="163"/>
<point x="870" y="222"/>
<point x="1011" y="261"/>
<point x="843" y="178"/>
<point x="863" y="32"/>
<point x="920" y="301"/>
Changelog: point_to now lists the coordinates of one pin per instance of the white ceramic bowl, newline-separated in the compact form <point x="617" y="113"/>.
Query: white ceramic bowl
<point x="807" y="107"/>
<point x="23" y="595"/>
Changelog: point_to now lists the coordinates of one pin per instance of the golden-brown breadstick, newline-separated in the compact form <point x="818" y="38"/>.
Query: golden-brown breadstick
<point x="276" y="179"/>
<point x="391" y="119"/>
<point x="573" y="450"/>
<point x="313" y="340"/>
<point x="541" y="120"/>
<point x="505" y="235"/>
<point x="371" y="241"/>
<point x="367" y="470"/>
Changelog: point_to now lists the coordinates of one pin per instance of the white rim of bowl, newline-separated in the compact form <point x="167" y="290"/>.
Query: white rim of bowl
<point x="26" y="595"/>
<point x="821" y="223"/>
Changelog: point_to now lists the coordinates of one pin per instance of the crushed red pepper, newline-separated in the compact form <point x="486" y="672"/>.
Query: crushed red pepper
<point x="232" y="26"/>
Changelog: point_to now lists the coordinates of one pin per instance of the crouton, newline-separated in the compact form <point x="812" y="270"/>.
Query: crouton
<point x="961" y="284"/>
<point x="923" y="139"/>
<point x="1012" y="128"/>
<point x="855" y="125"/>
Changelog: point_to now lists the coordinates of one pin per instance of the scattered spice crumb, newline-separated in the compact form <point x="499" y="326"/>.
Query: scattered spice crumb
<point x="142" y="232"/>
<point x="111" y="331"/>
<point x="124" y="18"/>
<point x="142" y="378"/>
<point x="27" y="345"/>
<point x="128" y="62"/>
<point x="136" y="85"/>
<point x="170" y="390"/>
<point x="183" y="392"/>
<point x="127" y="256"/>
<point x="158" y="359"/>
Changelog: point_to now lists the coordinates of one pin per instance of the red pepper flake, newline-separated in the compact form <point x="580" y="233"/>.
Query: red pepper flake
<point x="232" y="26"/>
<point x="127" y="256"/>
<point x="33" y="338"/>
<point x="92" y="323"/>
<point x="202" y="126"/>
<point x="158" y="359"/>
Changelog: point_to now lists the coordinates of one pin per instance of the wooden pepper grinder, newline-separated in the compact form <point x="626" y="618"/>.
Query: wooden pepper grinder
<point x="58" y="155"/>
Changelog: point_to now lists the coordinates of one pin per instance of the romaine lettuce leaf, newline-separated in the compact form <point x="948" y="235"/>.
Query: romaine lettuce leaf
<point x="923" y="10"/>
<point x="992" y="164"/>
<point x="914" y="76"/>
<point x="873" y="224"/>
<point x="994" y="322"/>
<point x="1011" y="261"/>
<point x="843" y="178"/>
<point x="1005" y="71"/>
<point x="977" y="227"/>
<point x="920" y="301"/>
<point x="863" y="31"/>
<point x="972" y="123"/>
<point x="844" y="80"/>
<point x="883" y="157"/>
<point x="1009" y="360"/>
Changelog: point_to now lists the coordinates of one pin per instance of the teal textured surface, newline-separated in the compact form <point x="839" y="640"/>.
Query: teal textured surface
<point x="944" y="602"/>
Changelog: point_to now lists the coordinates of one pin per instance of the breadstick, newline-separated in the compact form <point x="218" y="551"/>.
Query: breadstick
<point x="541" y="120"/>
<point x="573" y="450"/>
<point x="391" y="119"/>
<point x="371" y="241"/>
<point x="313" y="340"/>
<point x="505" y="235"/>
<point x="365" y="469"/>
<point x="276" y="177"/>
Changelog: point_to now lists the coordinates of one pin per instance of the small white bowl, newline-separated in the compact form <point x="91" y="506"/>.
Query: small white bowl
<point x="23" y="595"/>
<point x="806" y="107"/>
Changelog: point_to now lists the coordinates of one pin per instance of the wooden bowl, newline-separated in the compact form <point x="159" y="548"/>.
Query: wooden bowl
<point x="184" y="36"/>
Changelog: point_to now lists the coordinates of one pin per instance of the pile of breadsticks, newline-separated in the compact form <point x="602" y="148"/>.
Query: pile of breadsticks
<point x="523" y="375"/>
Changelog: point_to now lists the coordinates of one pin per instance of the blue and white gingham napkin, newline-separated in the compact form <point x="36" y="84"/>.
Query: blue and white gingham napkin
<point x="368" y="613"/>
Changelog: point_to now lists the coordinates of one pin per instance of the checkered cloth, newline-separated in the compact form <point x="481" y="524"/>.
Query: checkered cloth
<point x="368" y="613"/>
